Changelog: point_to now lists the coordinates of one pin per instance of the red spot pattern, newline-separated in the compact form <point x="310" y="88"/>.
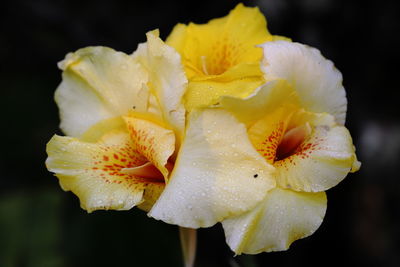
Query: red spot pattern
<point x="143" y="143"/>
<point x="113" y="158"/>
<point x="269" y="147"/>
<point x="305" y="150"/>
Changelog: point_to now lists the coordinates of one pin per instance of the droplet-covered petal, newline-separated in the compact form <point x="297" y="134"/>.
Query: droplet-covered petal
<point x="281" y="218"/>
<point x="217" y="174"/>
<point x="222" y="57"/>
<point x="98" y="83"/>
<point x="322" y="160"/>
<point x="266" y="99"/>
<point x="94" y="171"/>
<point x="316" y="80"/>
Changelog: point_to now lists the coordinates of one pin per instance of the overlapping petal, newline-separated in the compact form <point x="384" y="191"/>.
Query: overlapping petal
<point x="98" y="83"/>
<point x="221" y="57"/>
<point x="94" y="171"/>
<point x="151" y="140"/>
<point x="167" y="80"/>
<point x="283" y="217"/>
<point x="320" y="157"/>
<point x="217" y="173"/>
<point x="322" y="160"/>
<point x="315" y="79"/>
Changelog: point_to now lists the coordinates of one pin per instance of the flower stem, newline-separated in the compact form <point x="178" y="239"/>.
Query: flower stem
<point x="188" y="242"/>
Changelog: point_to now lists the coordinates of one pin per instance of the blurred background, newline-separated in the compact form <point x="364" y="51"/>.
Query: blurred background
<point x="40" y="225"/>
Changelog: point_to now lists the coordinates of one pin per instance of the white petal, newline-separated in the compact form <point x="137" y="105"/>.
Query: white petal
<point x="217" y="174"/>
<point x="316" y="80"/>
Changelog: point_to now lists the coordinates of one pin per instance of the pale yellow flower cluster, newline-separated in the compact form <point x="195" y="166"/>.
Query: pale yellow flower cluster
<point x="223" y="122"/>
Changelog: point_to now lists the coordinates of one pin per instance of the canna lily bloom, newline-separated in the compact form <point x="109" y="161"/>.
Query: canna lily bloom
<point x="222" y="57"/>
<point x="296" y="130"/>
<point x="125" y="120"/>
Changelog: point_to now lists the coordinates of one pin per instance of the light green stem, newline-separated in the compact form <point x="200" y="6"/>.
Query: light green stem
<point x="188" y="242"/>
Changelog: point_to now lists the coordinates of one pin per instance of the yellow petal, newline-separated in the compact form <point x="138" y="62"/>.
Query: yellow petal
<point x="323" y="159"/>
<point x="222" y="52"/>
<point x="266" y="99"/>
<point x="318" y="154"/>
<point x="94" y="171"/>
<point x="98" y="83"/>
<point x="315" y="79"/>
<point x="153" y="141"/>
<point x="217" y="173"/>
<point x="224" y="41"/>
<point x="205" y="93"/>
<point x="167" y="80"/>
<point x="281" y="218"/>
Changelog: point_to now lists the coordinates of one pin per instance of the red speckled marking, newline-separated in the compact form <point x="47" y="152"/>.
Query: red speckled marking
<point x="302" y="152"/>
<point x="112" y="159"/>
<point x="269" y="147"/>
<point x="143" y="142"/>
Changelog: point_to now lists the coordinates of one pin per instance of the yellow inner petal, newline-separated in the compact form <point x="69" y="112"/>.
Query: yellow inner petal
<point x="223" y="51"/>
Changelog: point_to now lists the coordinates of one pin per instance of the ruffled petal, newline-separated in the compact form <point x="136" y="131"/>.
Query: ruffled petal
<point x="322" y="160"/>
<point x="95" y="172"/>
<point x="167" y="78"/>
<point x="152" y="140"/>
<point x="98" y="83"/>
<point x="223" y="41"/>
<point x="316" y="80"/>
<point x="281" y="218"/>
<point x="217" y="174"/>
<point x="221" y="57"/>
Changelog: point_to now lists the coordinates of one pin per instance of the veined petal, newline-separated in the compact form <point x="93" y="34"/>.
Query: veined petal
<point x="153" y="141"/>
<point x="281" y="218"/>
<point x="323" y="159"/>
<point x="223" y="41"/>
<point x="217" y="173"/>
<point x="222" y="57"/>
<point x="94" y="171"/>
<point x="316" y="80"/>
<point x="98" y="83"/>
<point x="167" y="78"/>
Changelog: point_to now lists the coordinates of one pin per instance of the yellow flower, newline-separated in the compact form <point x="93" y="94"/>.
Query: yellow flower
<point x="263" y="139"/>
<point x="288" y="124"/>
<point x="124" y="118"/>
<point x="221" y="57"/>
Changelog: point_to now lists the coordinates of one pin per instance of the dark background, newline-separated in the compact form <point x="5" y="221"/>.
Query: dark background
<point x="40" y="225"/>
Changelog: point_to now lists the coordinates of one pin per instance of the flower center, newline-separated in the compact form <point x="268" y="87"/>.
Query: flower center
<point x="147" y="171"/>
<point x="291" y="141"/>
<point x="222" y="56"/>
